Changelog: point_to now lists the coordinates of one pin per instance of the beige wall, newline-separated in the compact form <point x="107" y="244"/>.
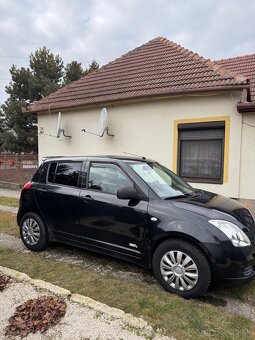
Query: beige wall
<point x="145" y="128"/>
<point x="247" y="176"/>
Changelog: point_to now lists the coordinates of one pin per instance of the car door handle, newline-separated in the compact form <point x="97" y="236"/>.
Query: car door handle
<point x="42" y="189"/>
<point x="88" y="198"/>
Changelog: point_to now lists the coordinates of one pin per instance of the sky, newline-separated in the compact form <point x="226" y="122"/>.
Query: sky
<point x="105" y="29"/>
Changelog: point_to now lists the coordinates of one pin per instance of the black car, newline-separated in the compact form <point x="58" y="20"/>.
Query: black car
<point x="137" y="210"/>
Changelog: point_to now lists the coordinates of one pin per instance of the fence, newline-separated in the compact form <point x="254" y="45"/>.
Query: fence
<point x="17" y="168"/>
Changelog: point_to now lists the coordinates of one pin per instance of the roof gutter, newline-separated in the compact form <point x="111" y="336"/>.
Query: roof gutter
<point x="246" y="107"/>
<point x="138" y="97"/>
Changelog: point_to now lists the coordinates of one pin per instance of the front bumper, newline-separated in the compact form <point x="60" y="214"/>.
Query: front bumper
<point x="232" y="265"/>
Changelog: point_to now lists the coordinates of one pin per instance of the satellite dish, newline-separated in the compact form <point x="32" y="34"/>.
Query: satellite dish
<point x="59" y="130"/>
<point x="102" y="125"/>
<point x="58" y="125"/>
<point x="102" y="122"/>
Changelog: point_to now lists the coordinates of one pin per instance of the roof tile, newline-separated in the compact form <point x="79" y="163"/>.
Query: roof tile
<point x="244" y="65"/>
<point x="159" y="67"/>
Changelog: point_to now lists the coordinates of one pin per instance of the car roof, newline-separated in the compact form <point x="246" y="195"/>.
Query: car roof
<point x="105" y="158"/>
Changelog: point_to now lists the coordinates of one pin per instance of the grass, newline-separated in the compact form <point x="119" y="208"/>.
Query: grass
<point x="244" y="292"/>
<point x="184" y="319"/>
<point x="9" y="201"/>
<point x="8" y="224"/>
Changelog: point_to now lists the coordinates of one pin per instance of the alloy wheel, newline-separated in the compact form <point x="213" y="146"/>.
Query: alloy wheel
<point x="31" y="231"/>
<point x="179" y="270"/>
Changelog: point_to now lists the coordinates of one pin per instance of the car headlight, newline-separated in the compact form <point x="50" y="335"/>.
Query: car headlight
<point x="233" y="232"/>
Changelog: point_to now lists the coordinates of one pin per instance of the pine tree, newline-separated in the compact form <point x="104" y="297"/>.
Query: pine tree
<point x="47" y="71"/>
<point x="28" y="85"/>
<point x="21" y="130"/>
<point x="2" y="129"/>
<point x="73" y="71"/>
<point x="18" y="131"/>
<point x="93" y="65"/>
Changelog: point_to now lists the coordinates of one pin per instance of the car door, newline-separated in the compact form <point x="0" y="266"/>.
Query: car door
<point x="58" y="198"/>
<point x="107" y="223"/>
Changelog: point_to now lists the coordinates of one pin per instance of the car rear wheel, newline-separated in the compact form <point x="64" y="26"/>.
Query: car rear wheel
<point x="181" y="268"/>
<point x="33" y="232"/>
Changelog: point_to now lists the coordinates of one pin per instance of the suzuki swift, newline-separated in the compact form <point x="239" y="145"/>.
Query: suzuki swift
<point x="137" y="210"/>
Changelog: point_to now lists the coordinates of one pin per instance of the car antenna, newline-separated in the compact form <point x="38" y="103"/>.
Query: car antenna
<point x="132" y="154"/>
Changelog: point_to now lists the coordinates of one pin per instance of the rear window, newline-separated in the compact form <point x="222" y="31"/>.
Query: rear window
<point x="66" y="173"/>
<point x="51" y="176"/>
<point x="41" y="173"/>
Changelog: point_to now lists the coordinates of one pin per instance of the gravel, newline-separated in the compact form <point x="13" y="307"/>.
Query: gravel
<point x="79" y="322"/>
<point x="107" y="265"/>
<point x="85" y="259"/>
<point x="8" y="209"/>
<point x="9" y="193"/>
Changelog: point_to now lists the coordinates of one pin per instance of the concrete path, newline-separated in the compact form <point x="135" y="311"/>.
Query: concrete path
<point x="9" y="193"/>
<point x="80" y="322"/>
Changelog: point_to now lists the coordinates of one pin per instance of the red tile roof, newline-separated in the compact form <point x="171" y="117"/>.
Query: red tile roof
<point x="157" y="68"/>
<point x="244" y="65"/>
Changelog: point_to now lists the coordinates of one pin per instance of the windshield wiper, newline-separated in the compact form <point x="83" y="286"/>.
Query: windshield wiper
<point x="177" y="196"/>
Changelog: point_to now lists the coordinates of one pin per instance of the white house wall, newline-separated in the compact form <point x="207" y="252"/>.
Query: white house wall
<point x="247" y="178"/>
<point x="146" y="128"/>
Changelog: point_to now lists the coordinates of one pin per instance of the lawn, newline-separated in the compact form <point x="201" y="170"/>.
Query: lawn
<point x="184" y="319"/>
<point x="10" y="201"/>
<point x="8" y="223"/>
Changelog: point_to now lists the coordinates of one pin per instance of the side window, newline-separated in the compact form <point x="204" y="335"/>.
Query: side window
<point x="107" y="178"/>
<point x="41" y="173"/>
<point x="51" y="175"/>
<point x="68" y="173"/>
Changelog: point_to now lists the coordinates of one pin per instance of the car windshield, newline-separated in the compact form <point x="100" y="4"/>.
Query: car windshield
<point x="162" y="181"/>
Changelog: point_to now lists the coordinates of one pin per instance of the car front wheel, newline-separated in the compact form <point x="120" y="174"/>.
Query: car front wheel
<point x="33" y="232"/>
<point x="181" y="268"/>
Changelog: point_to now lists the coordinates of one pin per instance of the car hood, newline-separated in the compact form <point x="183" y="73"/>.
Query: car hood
<point x="215" y="206"/>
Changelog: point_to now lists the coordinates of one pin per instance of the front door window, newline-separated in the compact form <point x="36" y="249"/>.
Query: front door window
<point x="107" y="178"/>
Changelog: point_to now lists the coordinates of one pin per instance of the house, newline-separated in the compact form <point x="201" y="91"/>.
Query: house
<point x="164" y="102"/>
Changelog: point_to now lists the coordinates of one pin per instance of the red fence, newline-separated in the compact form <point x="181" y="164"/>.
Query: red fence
<point x="17" y="168"/>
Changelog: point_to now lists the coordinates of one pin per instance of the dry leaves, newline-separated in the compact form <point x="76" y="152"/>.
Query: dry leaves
<point x="36" y="315"/>
<point x="4" y="280"/>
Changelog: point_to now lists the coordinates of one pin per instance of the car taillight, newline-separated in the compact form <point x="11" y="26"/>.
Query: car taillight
<point x="27" y="186"/>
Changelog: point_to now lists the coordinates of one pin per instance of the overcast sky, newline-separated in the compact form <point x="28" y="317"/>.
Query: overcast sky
<point x="105" y="29"/>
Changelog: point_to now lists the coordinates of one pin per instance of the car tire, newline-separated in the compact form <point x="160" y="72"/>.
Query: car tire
<point x="33" y="232"/>
<point x="181" y="268"/>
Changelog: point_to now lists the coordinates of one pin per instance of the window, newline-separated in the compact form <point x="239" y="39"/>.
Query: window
<point x="51" y="175"/>
<point x="40" y="175"/>
<point x="161" y="180"/>
<point x="201" y="151"/>
<point x="107" y="178"/>
<point x="65" y="173"/>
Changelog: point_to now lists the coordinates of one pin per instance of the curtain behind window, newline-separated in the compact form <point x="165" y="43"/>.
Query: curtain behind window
<point x="201" y="158"/>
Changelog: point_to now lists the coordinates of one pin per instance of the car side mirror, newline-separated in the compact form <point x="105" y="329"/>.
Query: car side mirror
<point x="128" y="193"/>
